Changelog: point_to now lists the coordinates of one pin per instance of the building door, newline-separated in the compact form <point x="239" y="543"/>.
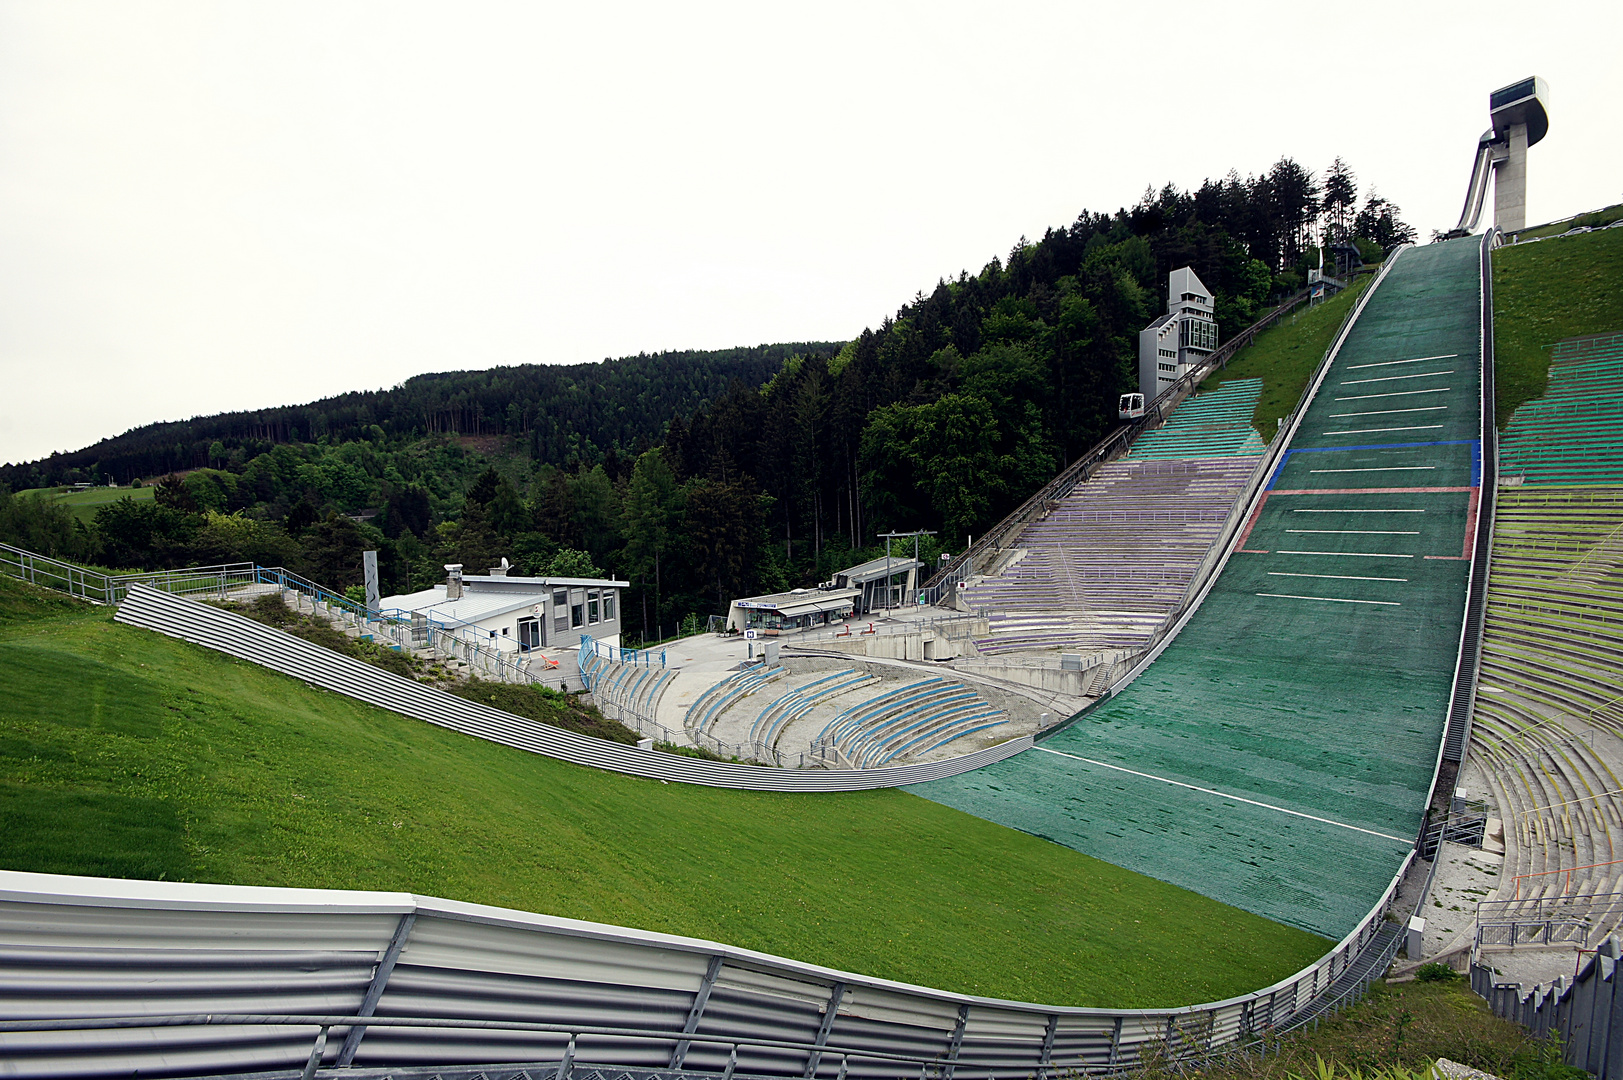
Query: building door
<point x="529" y="634"/>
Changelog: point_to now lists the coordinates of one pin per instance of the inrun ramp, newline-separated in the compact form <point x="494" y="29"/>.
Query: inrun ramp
<point x="1279" y="753"/>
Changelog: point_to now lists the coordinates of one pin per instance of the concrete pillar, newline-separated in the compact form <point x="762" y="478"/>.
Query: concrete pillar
<point x="1510" y="184"/>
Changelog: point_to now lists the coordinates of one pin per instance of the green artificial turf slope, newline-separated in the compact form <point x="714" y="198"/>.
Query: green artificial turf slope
<point x="125" y="753"/>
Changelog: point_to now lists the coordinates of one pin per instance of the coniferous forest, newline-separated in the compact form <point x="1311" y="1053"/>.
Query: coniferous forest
<point x="700" y="476"/>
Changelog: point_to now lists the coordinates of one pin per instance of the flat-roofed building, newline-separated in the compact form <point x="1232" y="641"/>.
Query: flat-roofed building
<point x="1178" y="340"/>
<point x="518" y="614"/>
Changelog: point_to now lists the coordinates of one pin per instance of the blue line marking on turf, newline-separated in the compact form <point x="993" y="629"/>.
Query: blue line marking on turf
<point x="1474" y="444"/>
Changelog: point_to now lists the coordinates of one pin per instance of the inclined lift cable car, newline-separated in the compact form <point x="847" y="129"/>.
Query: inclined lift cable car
<point x="1131" y="407"/>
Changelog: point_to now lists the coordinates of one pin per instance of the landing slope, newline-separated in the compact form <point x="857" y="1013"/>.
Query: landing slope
<point x="124" y="753"/>
<point x="1278" y="755"/>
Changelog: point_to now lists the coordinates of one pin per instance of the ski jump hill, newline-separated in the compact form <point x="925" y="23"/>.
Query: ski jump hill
<point x="1279" y="754"/>
<point x="1276" y="753"/>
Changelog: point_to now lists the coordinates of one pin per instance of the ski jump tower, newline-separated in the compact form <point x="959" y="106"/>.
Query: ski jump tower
<point x="1519" y="120"/>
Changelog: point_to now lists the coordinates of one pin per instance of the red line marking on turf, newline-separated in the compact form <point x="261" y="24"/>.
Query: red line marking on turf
<point x="1249" y="525"/>
<point x="1248" y="551"/>
<point x="1470" y="524"/>
<point x="1370" y="491"/>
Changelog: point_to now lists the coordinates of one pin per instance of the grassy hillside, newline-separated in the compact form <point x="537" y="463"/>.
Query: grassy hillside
<point x="1284" y="357"/>
<point x="127" y="754"/>
<point x="84" y="504"/>
<point x="1543" y="293"/>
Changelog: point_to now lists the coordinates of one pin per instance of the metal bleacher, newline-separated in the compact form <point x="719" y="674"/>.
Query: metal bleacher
<point x="1547" y="728"/>
<point x="1574" y="434"/>
<point x="914" y="718"/>
<point x="1111" y="560"/>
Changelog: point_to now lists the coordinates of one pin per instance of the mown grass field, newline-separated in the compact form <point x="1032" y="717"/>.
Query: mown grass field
<point x="1543" y="293"/>
<point x="84" y="504"/>
<point x="127" y="754"/>
<point x="1284" y="356"/>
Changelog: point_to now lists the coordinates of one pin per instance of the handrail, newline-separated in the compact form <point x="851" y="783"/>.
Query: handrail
<point x="1567" y="870"/>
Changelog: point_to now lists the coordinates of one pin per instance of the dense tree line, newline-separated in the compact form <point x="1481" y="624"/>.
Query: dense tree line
<point x="564" y="414"/>
<point x="700" y="477"/>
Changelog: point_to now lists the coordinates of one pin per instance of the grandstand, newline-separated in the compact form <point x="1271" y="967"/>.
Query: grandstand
<point x="1299" y="711"/>
<point x="1547" y="723"/>
<point x="1216" y="423"/>
<point x="912" y="719"/>
<point x="1107" y="565"/>
<point x="1574" y="434"/>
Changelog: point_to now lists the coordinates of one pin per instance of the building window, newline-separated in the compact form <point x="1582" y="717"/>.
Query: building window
<point x="608" y="604"/>
<point x="591" y="608"/>
<point x="560" y="615"/>
<point x="1168" y="367"/>
<point x="577" y="608"/>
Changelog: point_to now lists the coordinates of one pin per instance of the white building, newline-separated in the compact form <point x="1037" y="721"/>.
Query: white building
<point x="1178" y="340"/>
<point x="518" y="614"/>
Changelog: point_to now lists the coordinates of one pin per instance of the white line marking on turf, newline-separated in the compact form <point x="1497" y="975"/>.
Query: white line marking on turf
<point x="1388" y="412"/>
<point x="1371" y="430"/>
<point x="1416" y="360"/>
<point x="1399" y="393"/>
<point x="1225" y="795"/>
<point x="1381" y="468"/>
<point x="1337" y="577"/>
<point x="1360" y="532"/>
<point x="1393" y="378"/>
<point x="1330" y="599"/>
<point x="1358" y="511"/>
<point x="1350" y="554"/>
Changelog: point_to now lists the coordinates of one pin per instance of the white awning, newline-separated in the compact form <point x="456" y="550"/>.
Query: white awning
<point x="808" y="607"/>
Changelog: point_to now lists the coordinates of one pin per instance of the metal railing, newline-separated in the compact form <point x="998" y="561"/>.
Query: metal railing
<point x="589" y="993"/>
<point x="103" y="588"/>
<point x="1548" y="920"/>
<point x="1585" y="1013"/>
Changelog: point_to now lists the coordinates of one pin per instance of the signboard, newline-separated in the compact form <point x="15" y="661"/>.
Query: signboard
<point x="751" y="635"/>
<point x="369" y="569"/>
<point x="755" y="604"/>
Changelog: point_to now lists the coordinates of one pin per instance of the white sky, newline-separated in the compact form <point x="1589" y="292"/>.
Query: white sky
<point x="221" y="206"/>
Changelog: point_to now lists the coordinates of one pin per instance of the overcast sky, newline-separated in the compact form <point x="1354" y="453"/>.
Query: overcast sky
<point x="222" y="206"/>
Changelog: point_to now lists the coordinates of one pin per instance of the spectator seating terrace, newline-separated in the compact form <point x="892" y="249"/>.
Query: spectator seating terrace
<point x="1111" y="560"/>
<point x="1548" y="723"/>
<point x="1574" y="434"/>
<point x="725" y="694"/>
<point x="912" y="719"/>
<point x="796" y="703"/>
<point x="1211" y="424"/>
